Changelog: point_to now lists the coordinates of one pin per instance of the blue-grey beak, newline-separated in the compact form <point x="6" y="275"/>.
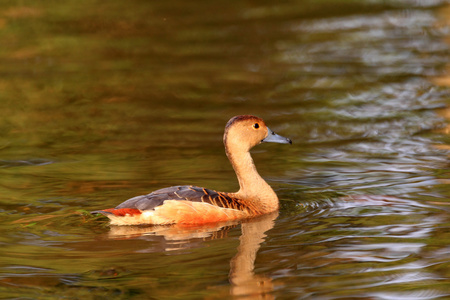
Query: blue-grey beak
<point x="272" y="137"/>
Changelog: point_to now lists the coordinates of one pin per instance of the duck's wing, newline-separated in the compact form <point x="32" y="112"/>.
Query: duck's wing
<point x="183" y="193"/>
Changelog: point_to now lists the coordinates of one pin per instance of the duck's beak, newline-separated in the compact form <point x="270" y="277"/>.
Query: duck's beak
<point x="272" y="137"/>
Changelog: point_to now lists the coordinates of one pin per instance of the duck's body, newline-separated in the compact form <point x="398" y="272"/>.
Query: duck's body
<point x="178" y="205"/>
<point x="195" y="205"/>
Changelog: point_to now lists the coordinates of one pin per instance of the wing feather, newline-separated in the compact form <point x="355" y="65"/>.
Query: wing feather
<point x="185" y="193"/>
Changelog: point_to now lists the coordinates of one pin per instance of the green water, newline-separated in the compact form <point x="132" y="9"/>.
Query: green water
<point x="101" y="101"/>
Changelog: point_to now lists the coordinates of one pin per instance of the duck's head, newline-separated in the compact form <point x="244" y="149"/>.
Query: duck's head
<point x="245" y="131"/>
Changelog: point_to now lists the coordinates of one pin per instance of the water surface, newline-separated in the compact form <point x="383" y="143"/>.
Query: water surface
<point x="101" y="102"/>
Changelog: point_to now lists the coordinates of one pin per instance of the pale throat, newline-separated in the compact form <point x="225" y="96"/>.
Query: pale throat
<point x="252" y="186"/>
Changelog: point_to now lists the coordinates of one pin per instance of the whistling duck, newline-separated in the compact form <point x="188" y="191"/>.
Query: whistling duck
<point x="195" y="205"/>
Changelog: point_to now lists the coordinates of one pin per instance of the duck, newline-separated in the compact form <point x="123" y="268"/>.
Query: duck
<point x="192" y="205"/>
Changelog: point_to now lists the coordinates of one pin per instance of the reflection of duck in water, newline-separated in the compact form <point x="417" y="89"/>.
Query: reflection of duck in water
<point x="244" y="281"/>
<point x="195" y="205"/>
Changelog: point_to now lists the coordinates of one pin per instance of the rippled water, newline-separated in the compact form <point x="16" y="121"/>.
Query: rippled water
<point x="101" y="102"/>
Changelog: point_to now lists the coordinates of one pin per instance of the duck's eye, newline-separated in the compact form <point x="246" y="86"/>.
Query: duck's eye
<point x="256" y="125"/>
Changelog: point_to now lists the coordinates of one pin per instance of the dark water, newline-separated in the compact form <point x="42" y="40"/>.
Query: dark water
<point x="104" y="100"/>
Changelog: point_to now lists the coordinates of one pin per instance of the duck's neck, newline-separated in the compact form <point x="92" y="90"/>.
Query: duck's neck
<point x="259" y="196"/>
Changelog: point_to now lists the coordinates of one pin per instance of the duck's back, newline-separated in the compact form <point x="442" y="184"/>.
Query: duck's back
<point x="182" y="193"/>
